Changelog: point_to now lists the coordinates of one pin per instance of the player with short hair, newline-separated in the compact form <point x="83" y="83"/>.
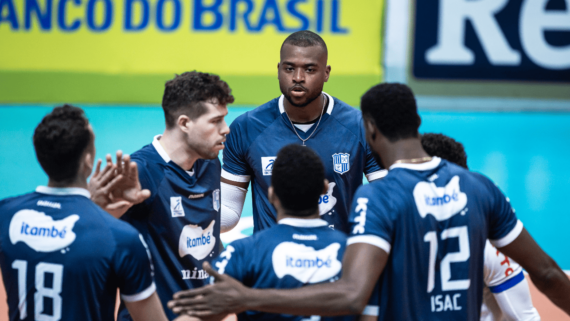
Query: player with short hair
<point x="181" y="220"/>
<point x="299" y="250"/>
<point x="62" y="256"/>
<point x="506" y="295"/>
<point x="421" y="231"/>
<point x="303" y="115"/>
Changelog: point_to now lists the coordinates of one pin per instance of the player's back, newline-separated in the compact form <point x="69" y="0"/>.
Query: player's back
<point x="63" y="258"/>
<point x="294" y="253"/>
<point x="435" y="218"/>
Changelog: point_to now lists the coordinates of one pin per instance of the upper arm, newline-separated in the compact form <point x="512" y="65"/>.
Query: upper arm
<point x="235" y="166"/>
<point x="149" y="309"/>
<point x="504" y="226"/>
<point x="134" y="268"/>
<point x="361" y="268"/>
<point x="369" y="243"/>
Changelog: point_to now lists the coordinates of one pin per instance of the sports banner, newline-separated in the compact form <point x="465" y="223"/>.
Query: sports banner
<point x="124" y="50"/>
<point x="508" y="49"/>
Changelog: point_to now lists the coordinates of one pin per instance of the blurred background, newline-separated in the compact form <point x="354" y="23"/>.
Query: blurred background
<point x="495" y="75"/>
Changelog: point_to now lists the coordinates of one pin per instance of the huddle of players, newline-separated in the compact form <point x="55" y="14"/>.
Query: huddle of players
<point x="424" y="223"/>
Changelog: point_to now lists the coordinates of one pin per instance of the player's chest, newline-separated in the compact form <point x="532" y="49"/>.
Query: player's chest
<point x="179" y="203"/>
<point x="340" y="158"/>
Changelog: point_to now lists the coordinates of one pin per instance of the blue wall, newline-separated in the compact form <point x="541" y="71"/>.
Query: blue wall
<point x="526" y="154"/>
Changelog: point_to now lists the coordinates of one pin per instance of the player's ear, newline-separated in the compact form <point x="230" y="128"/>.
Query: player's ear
<point x="371" y="130"/>
<point x="325" y="187"/>
<point x="327" y="72"/>
<point x="183" y="123"/>
<point x="271" y="194"/>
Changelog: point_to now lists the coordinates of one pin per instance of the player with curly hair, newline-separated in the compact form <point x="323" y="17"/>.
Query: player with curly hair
<point x="181" y="220"/>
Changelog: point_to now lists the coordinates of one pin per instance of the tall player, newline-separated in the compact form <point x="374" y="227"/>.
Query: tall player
<point x="506" y="295"/>
<point x="303" y="115"/>
<point x="62" y="256"/>
<point x="181" y="220"/>
<point x="421" y="230"/>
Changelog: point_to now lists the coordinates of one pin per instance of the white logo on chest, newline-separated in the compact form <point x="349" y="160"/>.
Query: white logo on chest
<point x="306" y="264"/>
<point x="441" y="202"/>
<point x="40" y="232"/>
<point x="197" y="242"/>
<point x="327" y="201"/>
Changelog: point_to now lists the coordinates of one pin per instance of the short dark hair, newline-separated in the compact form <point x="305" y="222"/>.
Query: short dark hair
<point x="445" y="147"/>
<point x="298" y="179"/>
<point x="392" y="108"/>
<point x="60" y="139"/>
<point x="186" y="92"/>
<point x="305" y="38"/>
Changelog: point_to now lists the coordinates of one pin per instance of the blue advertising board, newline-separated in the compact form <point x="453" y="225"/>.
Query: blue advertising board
<point x="520" y="40"/>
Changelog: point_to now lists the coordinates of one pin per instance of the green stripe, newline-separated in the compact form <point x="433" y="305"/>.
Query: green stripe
<point x="59" y="87"/>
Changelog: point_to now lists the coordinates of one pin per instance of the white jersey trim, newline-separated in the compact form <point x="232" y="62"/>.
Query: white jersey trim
<point x="303" y="222"/>
<point x="376" y="175"/>
<point x="433" y="163"/>
<point x="329" y="108"/>
<point x="160" y="150"/>
<point x="236" y="178"/>
<point x="372" y="310"/>
<point x="507" y="239"/>
<point x="140" y="296"/>
<point x="63" y="191"/>
<point x="372" y="240"/>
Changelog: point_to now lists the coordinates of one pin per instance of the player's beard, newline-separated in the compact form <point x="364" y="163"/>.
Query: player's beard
<point x="204" y="150"/>
<point x="308" y="101"/>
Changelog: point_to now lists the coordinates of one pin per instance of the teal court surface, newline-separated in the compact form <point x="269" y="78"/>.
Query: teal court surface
<point x="526" y="154"/>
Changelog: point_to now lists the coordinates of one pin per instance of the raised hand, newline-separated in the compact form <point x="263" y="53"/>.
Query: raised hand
<point x="117" y="187"/>
<point x="129" y="187"/>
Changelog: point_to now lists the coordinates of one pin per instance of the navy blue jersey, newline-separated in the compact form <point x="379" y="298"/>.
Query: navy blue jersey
<point x="294" y="253"/>
<point x="180" y="221"/>
<point x="63" y="257"/>
<point x="256" y="136"/>
<point x="433" y="219"/>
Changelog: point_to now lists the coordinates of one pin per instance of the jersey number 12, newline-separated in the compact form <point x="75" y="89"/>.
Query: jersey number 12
<point x="454" y="257"/>
<point x="41" y="291"/>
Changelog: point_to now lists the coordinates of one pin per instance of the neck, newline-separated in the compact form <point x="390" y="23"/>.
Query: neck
<point x="281" y="214"/>
<point x="305" y="114"/>
<point x="174" y="143"/>
<point x="77" y="182"/>
<point x="403" y="149"/>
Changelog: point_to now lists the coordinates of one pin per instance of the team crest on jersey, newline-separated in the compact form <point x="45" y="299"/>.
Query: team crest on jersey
<point x="267" y="165"/>
<point x="216" y="199"/>
<point x="176" y="208"/>
<point x="196" y="241"/>
<point x="341" y="162"/>
<point x="441" y="202"/>
<point x="40" y="232"/>
<point x="306" y="264"/>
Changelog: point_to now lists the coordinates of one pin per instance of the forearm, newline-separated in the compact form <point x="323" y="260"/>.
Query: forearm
<point x="329" y="299"/>
<point x="555" y="284"/>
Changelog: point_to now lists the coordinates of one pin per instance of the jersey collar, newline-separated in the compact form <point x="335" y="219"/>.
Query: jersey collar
<point x="433" y="163"/>
<point x="329" y="109"/>
<point x="160" y="150"/>
<point x="63" y="191"/>
<point x="303" y="222"/>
